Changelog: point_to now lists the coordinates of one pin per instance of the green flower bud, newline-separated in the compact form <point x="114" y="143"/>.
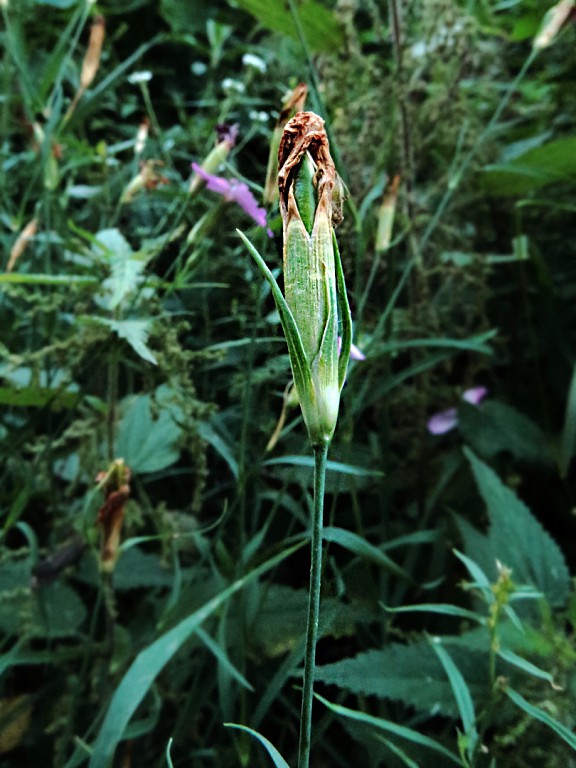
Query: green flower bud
<point x="313" y="281"/>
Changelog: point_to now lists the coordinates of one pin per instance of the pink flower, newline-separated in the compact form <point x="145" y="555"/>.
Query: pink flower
<point x="355" y="353"/>
<point x="234" y="191"/>
<point x="444" y="421"/>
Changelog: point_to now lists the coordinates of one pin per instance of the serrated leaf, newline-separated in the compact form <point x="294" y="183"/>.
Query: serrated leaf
<point x="126" y="267"/>
<point x="497" y="427"/>
<point x="281" y="619"/>
<point x="412" y="674"/>
<point x="147" y="444"/>
<point x="517" y="539"/>
<point x="320" y="27"/>
<point x="136" y="333"/>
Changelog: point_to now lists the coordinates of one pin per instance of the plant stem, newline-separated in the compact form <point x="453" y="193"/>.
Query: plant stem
<point x="320" y="454"/>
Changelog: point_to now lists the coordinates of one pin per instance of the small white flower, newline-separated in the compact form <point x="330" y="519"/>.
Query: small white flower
<point x="230" y="86"/>
<point x="255" y="62"/>
<point x="258" y="117"/>
<point x="198" y="68"/>
<point x="140" y="77"/>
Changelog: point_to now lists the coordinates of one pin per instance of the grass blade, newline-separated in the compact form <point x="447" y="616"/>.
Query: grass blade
<point x="386" y="725"/>
<point x="279" y="761"/>
<point x="150" y="662"/>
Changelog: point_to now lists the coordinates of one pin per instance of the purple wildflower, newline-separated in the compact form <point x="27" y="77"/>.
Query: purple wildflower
<point x="444" y="421"/>
<point x="234" y="191"/>
<point x="355" y="353"/>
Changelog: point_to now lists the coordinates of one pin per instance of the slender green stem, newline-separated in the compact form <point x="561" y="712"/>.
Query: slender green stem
<point x="320" y="454"/>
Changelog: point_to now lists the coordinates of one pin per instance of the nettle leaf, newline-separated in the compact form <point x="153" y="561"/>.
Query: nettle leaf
<point x="126" y="267"/>
<point x="54" y="610"/>
<point x="412" y="674"/>
<point x="136" y="333"/>
<point x="496" y="427"/>
<point x="145" y="442"/>
<point x="281" y="620"/>
<point x="516" y="539"/>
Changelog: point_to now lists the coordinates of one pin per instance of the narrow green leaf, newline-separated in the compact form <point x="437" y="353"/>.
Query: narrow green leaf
<point x="539" y="714"/>
<point x="343" y="314"/>
<point x="359" y="546"/>
<point x="150" y="662"/>
<point x="300" y="368"/>
<point x="223" y="658"/>
<point x="461" y="695"/>
<point x="38" y="279"/>
<point x="390" y="727"/>
<point x="526" y="666"/>
<point x="277" y="758"/>
<point x="568" y="440"/>
<point x="168" y="755"/>
<point x="331" y="466"/>
<point x="475" y="571"/>
<point x="400" y="754"/>
<point x="444" y="609"/>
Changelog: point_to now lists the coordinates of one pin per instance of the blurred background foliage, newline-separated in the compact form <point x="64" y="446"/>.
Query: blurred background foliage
<point x="143" y="372"/>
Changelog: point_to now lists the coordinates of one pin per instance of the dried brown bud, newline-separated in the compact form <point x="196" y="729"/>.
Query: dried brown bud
<point x="21" y="243"/>
<point x="92" y="57"/>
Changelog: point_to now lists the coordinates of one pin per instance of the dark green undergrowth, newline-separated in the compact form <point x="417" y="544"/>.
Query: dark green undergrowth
<point x="154" y="567"/>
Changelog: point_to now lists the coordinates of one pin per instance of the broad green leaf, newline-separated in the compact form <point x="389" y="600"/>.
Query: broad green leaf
<point x="539" y="714"/>
<point x="551" y="162"/>
<point x="277" y="758"/>
<point x="185" y="17"/>
<point x="359" y="546"/>
<point x="38" y="397"/>
<point x="149" y="663"/>
<point x="320" y="27"/>
<point x="461" y="695"/>
<point x="517" y="539"/>
<point x="147" y="444"/>
<point x="386" y="725"/>
<point x="412" y="674"/>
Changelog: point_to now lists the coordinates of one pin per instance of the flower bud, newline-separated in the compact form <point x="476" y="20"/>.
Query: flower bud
<point x="313" y="281"/>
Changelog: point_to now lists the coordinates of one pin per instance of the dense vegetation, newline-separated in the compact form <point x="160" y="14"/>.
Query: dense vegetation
<point x="156" y="477"/>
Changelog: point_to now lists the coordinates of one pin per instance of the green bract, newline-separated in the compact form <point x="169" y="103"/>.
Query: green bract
<point x="314" y="310"/>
